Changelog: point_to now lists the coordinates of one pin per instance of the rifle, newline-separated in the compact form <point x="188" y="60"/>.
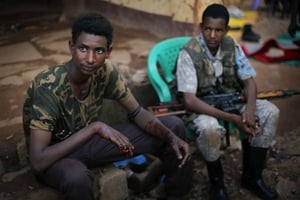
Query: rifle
<point x="225" y="102"/>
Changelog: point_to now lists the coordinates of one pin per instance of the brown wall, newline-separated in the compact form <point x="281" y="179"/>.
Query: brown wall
<point x="163" y="18"/>
<point x="158" y="25"/>
<point x="180" y="17"/>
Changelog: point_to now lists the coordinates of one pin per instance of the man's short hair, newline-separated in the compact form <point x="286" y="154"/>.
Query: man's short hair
<point x="93" y="23"/>
<point x="216" y="11"/>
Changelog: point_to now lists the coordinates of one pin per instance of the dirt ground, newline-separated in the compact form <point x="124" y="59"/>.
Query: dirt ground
<point x="282" y="172"/>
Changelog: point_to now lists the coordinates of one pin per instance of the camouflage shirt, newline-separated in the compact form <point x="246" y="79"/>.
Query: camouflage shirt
<point x="51" y="106"/>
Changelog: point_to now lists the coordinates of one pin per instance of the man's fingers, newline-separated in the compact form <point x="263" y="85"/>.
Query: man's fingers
<point x="187" y="155"/>
<point x="127" y="150"/>
<point x="178" y="153"/>
<point x="185" y="159"/>
<point x="125" y="147"/>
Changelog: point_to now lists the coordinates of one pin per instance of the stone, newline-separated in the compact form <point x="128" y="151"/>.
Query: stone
<point x="44" y="193"/>
<point x="113" y="183"/>
<point x="10" y="176"/>
<point x="139" y="76"/>
<point x="138" y="47"/>
<point x="121" y="56"/>
<point x="285" y="187"/>
<point x="57" y="46"/>
<point x="24" y="50"/>
<point x="58" y="58"/>
<point x="22" y="152"/>
<point x="61" y="35"/>
<point x="144" y="177"/>
<point x="9" y="122"/>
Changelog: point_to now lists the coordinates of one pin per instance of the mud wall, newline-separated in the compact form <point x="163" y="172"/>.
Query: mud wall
<point x="160" y="17"/>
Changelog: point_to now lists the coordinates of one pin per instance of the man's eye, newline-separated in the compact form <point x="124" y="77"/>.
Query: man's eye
<point x="100" y="51"/>
<point x="82" y="49"/>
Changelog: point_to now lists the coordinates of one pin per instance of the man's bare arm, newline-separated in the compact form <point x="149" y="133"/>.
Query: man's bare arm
<point x="42" y="155"/>
<point x="153" y="126"/>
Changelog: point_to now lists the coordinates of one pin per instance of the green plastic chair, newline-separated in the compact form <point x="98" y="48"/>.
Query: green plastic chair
<point x="161" y="63"/>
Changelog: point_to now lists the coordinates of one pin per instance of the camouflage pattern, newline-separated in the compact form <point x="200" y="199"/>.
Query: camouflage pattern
<point x="205" y="74"/>
<point x="268" y="115"/>
<point x="209" y="132"/>
<point x="209" y="136"/>
<point x="50" y="104"/>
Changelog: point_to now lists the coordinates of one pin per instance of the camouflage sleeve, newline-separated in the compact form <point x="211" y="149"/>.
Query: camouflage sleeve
<point x="116" y="87"/>
<point x="44" y="109"/>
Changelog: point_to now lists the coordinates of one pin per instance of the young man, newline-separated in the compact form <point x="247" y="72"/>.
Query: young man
<point x="61" y="119"/>
<point x="213" y="63"/>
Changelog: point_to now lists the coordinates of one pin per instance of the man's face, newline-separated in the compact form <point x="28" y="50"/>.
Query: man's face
<point x="213" y="30"/>
<point x="89" y="52"/>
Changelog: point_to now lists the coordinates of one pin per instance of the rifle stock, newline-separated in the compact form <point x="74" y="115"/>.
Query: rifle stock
<point x="167" y="109"/>
<point x="178" y="109"/>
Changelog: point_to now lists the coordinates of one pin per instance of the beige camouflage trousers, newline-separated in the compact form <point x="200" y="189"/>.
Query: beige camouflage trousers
<point x="209" y="132"/>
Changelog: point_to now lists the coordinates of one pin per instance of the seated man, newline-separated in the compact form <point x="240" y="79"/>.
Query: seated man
<point x="61" y="120"/>
<point x="213" y="63"/>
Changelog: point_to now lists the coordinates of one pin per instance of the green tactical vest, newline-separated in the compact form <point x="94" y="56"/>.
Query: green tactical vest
<point x="205" y="75"/>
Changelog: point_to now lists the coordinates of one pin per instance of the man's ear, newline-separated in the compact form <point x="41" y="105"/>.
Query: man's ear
<point x="227" y="28"/>
<point x="109" y="50"/>
<point x="200" y="26"/>
<point x="71" y="47"/>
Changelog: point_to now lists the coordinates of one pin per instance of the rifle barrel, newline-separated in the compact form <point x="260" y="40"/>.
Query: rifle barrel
<point x="277" y="94"/>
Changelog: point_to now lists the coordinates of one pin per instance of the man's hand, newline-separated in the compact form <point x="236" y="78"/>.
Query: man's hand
<point x="250" y="120"/>
<point x="117" y="138"/>
<point x="180" y="146"/>
<point x="242" y="122"/>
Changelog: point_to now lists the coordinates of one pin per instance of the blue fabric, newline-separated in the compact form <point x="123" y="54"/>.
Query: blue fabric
<point x="138" y="160"/>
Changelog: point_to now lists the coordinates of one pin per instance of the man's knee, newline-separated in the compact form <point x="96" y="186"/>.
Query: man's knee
<point x="77" y="175"/>
<point x="274" y="111"/>
<point x="209" y="143"/>
<point x="268" y="110"/>
<point x="175" y="124"/>
<point x="211" y="138"/>
<point x="208" y="124"/>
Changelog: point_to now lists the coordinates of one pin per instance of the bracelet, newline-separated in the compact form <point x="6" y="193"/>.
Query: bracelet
<point x="133" y="114"/>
